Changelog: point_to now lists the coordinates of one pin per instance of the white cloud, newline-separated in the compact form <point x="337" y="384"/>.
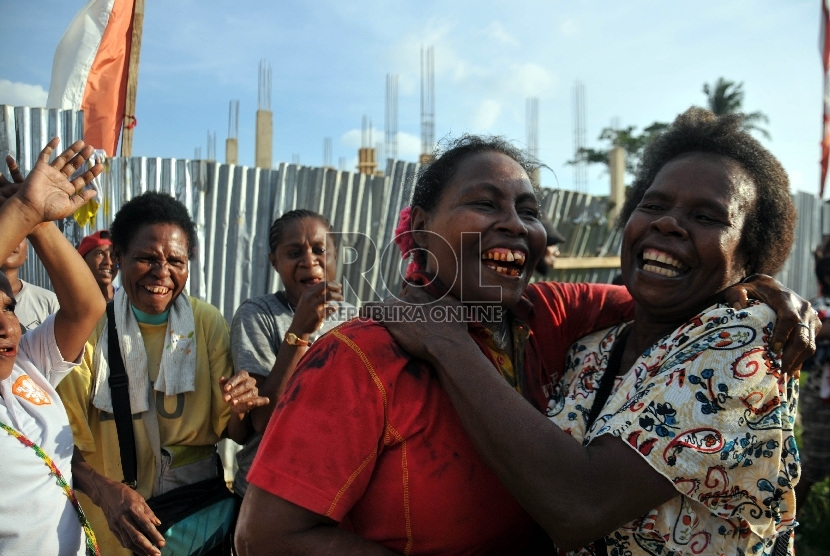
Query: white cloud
<point x="409" y="146"/>
<point x="530" y="79"/>
<point x="352" y="138"/>
<point x="22" y="94"/>
<point x="497" y="32"/>
<point x="486" y="115"/>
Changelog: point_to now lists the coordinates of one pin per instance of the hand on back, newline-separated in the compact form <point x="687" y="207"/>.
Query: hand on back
<point x="794" y="336"/>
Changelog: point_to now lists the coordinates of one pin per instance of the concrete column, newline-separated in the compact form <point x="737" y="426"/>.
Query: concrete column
<point x="616" y="167"/>
<point x="231" y="151"/>
<point x="366" y="161"/>
<point x="264" y="138"/>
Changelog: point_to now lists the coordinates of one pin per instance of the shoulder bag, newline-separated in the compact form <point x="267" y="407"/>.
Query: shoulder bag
<point x="194" y="518"/>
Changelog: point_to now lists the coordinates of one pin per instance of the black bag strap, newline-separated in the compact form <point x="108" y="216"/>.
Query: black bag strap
<point x="120" y="391"/>
<point x="782" y="544"/>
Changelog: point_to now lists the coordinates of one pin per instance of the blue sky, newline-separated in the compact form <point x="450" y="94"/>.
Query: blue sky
<point x="641" y="61"/>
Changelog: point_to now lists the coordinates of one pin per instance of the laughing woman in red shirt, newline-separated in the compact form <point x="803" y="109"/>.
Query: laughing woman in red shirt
<point x="364" y="453"/>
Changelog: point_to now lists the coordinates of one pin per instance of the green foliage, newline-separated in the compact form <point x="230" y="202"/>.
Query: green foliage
<point x="812" y="536"/>
<point x="633" y="143"/>
<point x="727" y="97"/>
<point x="724" y="97"/>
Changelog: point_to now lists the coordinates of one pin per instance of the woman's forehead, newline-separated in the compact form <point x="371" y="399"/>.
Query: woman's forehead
<point x="491" y="171"/>
<point x="305" y="229"/>
<point x="159" y="235"/>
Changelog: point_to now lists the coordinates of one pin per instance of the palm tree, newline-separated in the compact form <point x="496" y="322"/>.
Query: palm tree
<point x="727" y="97"/>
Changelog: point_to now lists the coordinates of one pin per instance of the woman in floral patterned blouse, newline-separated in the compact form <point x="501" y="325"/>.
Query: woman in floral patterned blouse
<point x="692" y="451"/>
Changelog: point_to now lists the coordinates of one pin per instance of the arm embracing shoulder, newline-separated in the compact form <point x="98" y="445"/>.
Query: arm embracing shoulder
<point x="578" y="309"/>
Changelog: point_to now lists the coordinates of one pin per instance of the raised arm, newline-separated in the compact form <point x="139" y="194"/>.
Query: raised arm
<point x="44" y="196"/>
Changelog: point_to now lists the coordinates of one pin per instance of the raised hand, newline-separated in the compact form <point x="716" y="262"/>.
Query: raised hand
<point x="47" y="191"/>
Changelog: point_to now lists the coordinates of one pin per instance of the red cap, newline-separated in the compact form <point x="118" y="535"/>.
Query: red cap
<point x="92" y="241"/>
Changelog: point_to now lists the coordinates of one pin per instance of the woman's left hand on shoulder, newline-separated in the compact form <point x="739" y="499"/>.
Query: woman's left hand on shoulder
<point x="797" y="322"/>
<point x="419" y="334"/>
<point x="240" y="392"/>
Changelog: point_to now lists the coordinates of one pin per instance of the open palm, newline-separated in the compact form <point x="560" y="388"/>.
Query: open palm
<point x="47" y="190"/>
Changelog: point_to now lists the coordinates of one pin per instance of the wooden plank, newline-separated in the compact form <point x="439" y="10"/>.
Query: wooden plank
<point x="575" y="263"/>
<point x="132" y="80"/>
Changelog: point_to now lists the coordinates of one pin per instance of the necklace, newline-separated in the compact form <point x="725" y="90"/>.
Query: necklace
<point x="91" y="543"/>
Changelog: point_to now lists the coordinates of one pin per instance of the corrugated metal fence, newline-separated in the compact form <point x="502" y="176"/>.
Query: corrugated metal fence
<point x="583" y="220"/>
<point x="233" y="207"/>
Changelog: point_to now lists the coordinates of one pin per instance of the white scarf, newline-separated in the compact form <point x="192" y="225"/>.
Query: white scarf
<point x="177" y="371"/>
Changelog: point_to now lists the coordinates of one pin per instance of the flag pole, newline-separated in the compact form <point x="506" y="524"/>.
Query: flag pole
<point x="132" y="80"/>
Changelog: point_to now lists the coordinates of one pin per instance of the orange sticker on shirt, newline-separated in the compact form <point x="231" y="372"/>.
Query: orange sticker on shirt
<point x="24" y="387"/>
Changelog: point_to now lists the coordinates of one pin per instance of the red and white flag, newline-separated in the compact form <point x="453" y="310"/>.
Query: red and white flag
<point x="825" y="60"/>
<point x="89" y="71"/>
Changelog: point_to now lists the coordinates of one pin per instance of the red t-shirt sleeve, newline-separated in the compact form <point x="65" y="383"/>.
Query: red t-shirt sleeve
<point x="322" y="442"/>
<point x="577" y="309"/>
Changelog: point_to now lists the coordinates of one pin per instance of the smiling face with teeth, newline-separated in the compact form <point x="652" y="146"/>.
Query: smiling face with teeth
<point x="100" y="262"/>
<point x="484" y="237"/>
<point x="682" y="245"/>
<point x="154" y="268"/>
<point x="9" y="328"/>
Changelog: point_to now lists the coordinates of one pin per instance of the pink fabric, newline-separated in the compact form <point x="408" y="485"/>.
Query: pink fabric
<point x="405" y="240"/>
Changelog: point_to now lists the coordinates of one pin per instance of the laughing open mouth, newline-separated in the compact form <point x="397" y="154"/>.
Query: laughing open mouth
<point x="662" y="263"/>
<point x="161" y="290"/>
<point x="504" y="261"/>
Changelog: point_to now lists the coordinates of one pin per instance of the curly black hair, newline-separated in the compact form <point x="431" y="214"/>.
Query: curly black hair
<point x="275" y="234"/>
<point x="434" y="177"/>
<point x="768" y="233"/>
<point x="151" y="208"/>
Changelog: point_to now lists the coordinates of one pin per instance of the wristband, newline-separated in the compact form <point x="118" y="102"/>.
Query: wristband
<point x="293" y="340"/>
